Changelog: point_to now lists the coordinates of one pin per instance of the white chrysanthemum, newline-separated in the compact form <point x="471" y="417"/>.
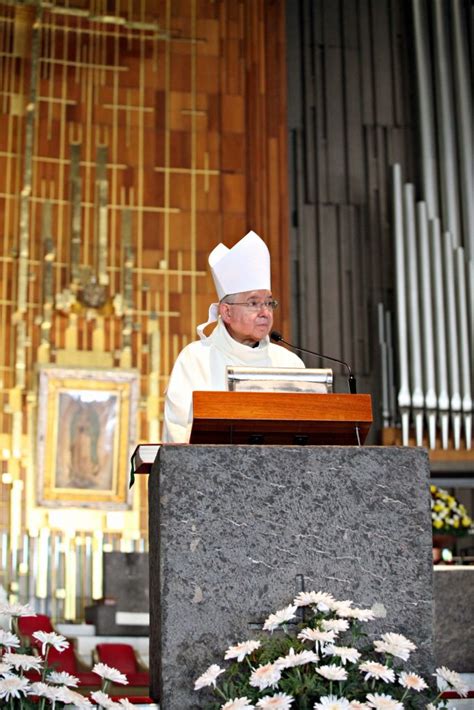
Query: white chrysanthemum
<point x="16" y="610"/>
<point x="344" y="612"/>
<point x="357" y="705"/>
<point x="344" y="604"/>
<point x="380" y="701"/>
<point x="345" y="653"/>
<point x="266" y="676"/>
<point x="51" y="638"/>
<point x="280" y="701"/>
<point x="238" y="704"/>
<point x="209" y="677"/>
<point x="240" y="650"/>
<point x="51" y="692"/>
<point x="9" y="640"/>
<point x="63" y="678"/>
<point x="125" y="703"/>
<point x="317" y="635"/>
<point x="332" y="672"/>
<point x="13" y="687"/>
<point x="360" y="614"/>
<point x="332" y="702"/>
<point x="372" y="669"/>
<point x="336" y="625"/>
<point x="412" y="681"/>
<point x="292" y="659"/>
<point x="322" y="600"/>
<point x="446" y="678"/>
<point x="23" y="661"/>
<point x="279" y="617"/>
<point x="108" y="673"/>
<point x="395" y="645"/>
<point x="5" y="669"/>
<point x="102" y="699"/>
<point x="71" y="697"/>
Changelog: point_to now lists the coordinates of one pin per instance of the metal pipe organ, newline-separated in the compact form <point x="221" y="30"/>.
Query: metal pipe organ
<point x="433" y="248"/>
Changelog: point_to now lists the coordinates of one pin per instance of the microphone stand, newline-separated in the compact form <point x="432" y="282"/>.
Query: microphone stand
<point x="278" y="338"/>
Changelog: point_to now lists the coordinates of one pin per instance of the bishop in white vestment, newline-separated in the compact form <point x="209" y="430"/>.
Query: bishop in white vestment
<point x="244" y="318"/>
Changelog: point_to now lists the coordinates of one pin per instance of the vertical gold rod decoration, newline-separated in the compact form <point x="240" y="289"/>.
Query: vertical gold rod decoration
<point x="140" y="187"/>
<point x="153" y="400"/>
<point x="114" y="188"/>
<point x="166" y="216"/>
<point x="71" y="333"/>
<point x="127" y="278"/>
<point x="97" y="563"/>
<point x="48" y="258"/>
<point x="63" y="138"/>
<point x="76" y="214"/>
<point x="87" y="92"/>
<point x="70" y="580"/>
<point x="193" y="167"/>
<point x="6" y="230"/>
<point x="24" y="236"/>
<point x="98" y="335"/>
<point x="101" y="237"/>
<point x="16" y="493"/>
<point x="43" y="564"/>
<point x="51" y="84"/>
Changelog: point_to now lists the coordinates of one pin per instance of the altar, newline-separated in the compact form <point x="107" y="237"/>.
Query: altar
<point x="237" y="531"/>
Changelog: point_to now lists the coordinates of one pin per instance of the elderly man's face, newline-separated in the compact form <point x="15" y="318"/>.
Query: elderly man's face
<point x="247" y="325"/>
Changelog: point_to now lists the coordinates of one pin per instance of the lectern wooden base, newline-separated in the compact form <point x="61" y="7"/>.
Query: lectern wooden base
<point x="280" y="418"/>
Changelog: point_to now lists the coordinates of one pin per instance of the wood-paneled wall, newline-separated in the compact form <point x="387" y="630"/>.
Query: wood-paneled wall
<point x="133" y="138"/>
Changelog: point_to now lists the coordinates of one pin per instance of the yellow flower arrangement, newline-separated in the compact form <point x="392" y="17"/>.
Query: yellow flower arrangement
<point x="447" y="514"/>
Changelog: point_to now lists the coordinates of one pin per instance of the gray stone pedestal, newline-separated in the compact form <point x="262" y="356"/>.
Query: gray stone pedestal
<point x="236" y="531"/>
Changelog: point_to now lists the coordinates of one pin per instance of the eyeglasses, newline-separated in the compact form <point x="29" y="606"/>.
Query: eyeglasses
<point x="253" y="305"/>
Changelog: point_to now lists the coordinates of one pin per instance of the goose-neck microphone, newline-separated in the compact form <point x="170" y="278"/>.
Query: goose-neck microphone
<point x="278" y="338"/>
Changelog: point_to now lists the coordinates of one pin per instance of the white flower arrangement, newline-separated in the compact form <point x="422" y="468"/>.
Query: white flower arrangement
<point x="53" y="689"/>
<point x="308" y="667"/>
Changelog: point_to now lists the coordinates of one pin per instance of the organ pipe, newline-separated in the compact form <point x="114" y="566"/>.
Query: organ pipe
<point x="463" y="331"/>
<point x="464" y="118"/>
<point x="404" y="399"/>
<point x="425" y="108"/>
<point x="445" y="124"/>
<point x="427" y="323"/>
<point x="452" y="331"/>
<point x="417" y="398"/>
<point x="440" y="331"/>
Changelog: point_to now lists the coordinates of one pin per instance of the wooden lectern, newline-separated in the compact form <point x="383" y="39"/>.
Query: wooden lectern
<point x="281" y="418"/>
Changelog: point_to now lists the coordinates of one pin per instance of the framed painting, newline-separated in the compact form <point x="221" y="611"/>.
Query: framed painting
<point x="86" y="433"/>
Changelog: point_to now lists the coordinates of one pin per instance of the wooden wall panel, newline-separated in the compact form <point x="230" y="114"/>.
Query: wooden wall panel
<point x="190" y="106"/>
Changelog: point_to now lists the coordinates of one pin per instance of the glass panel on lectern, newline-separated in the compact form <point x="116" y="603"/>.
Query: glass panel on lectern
<point x="279" y="379"/>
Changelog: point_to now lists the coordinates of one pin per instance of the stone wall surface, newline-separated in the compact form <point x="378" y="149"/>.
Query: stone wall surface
<point x="454" y="617"/>
<point x="236" y="532"/>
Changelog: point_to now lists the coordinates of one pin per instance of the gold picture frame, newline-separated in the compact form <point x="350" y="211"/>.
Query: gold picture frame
<point x="86" y="433"/>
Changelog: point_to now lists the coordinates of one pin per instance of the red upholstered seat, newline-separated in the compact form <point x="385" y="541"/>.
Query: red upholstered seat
<point x="67" y="661"/>
<point x="122" y="657"/>
<point x="27" y="625"/>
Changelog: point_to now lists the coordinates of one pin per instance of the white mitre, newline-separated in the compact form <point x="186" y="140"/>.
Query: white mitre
<point x="244" y="267"/>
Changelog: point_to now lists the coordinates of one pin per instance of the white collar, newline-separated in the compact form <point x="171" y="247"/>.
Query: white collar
<point x="221" y="337"/>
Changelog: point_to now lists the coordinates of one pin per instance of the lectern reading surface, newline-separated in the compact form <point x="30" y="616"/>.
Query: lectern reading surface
<point x="280" y="418"/>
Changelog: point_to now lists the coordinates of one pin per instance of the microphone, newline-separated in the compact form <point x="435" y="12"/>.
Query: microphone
<point x="278" y="338"/>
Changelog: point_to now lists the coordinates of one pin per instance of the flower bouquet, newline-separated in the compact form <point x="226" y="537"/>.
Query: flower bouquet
<point x="447" y="515"/>
<point x="53" y="688"/>
<point x="322" y="660"/>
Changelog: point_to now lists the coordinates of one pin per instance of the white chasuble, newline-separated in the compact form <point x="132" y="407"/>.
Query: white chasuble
<point x="202" y="366"/>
